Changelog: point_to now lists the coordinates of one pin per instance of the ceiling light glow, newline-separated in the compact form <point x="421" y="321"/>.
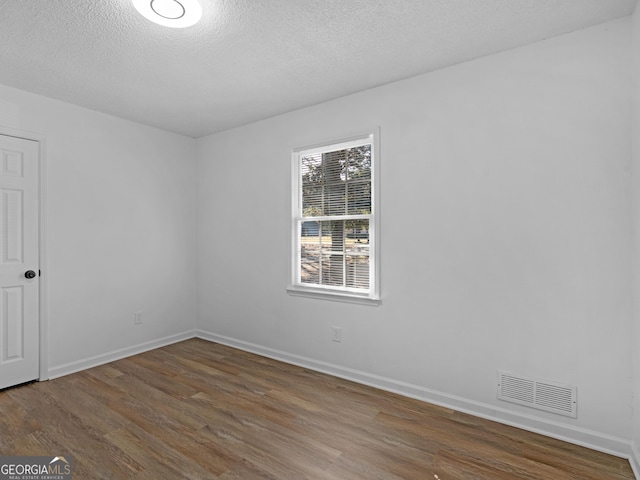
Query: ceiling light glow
<point x="170" y="13"/>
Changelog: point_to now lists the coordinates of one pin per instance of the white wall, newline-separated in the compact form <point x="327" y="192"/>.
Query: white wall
<point x="635" y="136"/>
<point x="120" y="229"/>
<point x="505" y="234"/>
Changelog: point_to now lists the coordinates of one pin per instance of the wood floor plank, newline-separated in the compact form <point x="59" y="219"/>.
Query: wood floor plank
<point x="15" y="422"/>
<point x="200" y="410"/>
<point x="65" y="433"/>
<point x="157" y="458"/>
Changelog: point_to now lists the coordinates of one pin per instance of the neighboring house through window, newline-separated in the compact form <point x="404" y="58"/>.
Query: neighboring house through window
<point x="335" y="222"/>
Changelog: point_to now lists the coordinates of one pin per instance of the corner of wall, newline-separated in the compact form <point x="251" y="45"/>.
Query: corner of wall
<point x="634" y="457"/>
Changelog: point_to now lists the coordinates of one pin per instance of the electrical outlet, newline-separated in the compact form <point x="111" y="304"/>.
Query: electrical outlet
<point x="137" y="318"/>
<point x="336" y="334"/>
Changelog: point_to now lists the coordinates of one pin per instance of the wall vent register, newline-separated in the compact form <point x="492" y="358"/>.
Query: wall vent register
<point x="537" y="393"/>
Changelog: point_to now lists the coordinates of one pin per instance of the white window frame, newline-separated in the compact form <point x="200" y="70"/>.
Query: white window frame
<point x="341" y="294"/>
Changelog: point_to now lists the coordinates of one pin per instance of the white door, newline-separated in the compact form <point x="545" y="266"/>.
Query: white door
<point x="19" y="261"/>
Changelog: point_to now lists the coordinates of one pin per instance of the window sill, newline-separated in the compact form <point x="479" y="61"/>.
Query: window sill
<point x="334" y="296"/>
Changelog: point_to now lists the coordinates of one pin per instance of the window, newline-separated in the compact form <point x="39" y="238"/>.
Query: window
<point x="335" y="221"/>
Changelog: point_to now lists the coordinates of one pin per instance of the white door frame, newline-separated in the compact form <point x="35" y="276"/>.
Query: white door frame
<point x="43" y="298"/>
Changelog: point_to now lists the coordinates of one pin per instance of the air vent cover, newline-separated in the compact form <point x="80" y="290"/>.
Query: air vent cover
<point x="537" y="393"/>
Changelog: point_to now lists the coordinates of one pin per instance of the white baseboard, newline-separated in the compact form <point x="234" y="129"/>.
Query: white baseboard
<point x="73" y="367"/>
<point x="634" y="460"/>
<point x="579" y="436"/>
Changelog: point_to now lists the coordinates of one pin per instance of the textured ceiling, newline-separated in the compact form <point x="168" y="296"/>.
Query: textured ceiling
<point x="252" y="59"/>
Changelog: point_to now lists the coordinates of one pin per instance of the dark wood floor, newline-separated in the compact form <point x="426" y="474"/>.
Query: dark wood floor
<point x="199" y="410"/>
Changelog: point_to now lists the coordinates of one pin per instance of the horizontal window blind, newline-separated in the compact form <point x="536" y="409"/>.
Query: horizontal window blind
<point x="334" y="217"/>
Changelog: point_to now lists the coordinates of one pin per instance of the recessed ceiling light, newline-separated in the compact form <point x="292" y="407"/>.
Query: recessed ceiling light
<point x="170" y="13"/>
